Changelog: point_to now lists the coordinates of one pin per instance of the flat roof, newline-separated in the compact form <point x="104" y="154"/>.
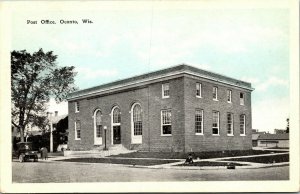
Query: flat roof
<point x="268" y="136"/>
<point x="155" y="75"/>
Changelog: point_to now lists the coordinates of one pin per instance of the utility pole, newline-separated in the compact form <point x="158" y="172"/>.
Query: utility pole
<point x="105" y="129"/>
<point x="51" y="131"/>
<point x="51" y="136"/>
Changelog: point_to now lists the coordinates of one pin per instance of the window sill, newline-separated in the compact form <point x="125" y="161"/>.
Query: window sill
<point x="77" y="139"/>
<point x="215" y="100"/>
<point x="76" y="111"/>
<point x="215" y="134"/>
<point x="199" y="134"/>
<point x="166" y="135"/>
<point x="198" y="96"/>
<point x="229" y="102"/>
<point x="242" y="134"/>
<point x="165" y="97"/>
<point x="230" y="135"/>
<point x="242" y="104"/>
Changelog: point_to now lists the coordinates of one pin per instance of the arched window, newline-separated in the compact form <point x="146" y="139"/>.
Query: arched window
<point x="98" y="127"/>
<point x="136" y="123"/>
<point x="116" y="125"/>
<point x="98" y="124"/>
<point x="116" y="115"/>
<point x="137" y="120"/>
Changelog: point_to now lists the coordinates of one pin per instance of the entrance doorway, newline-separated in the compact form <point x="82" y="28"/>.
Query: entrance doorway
<point x="116" y="134"/>
<point x="116" y="125"/>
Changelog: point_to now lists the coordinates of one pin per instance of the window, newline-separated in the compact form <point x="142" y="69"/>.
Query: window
<point x="116" y="125"/>
<point x="166" y="122"/>
<point x="242" y="98"/>
<point x="229" y="124"/>
<point x="137" y="120"/>
<point x="116" y="115"/>
<point x="242" y="124"/>
<point x="199" y="121"/>
<point x="198" y="90"/>
<point x="229" y="96"/>
<point x="216" y="123"/>
<point x="98" y="120"/>
<point x="166" y="90"/>
<point x="77" y="130"/>
<point x="76" y="106"/>
<point x="215" y="93"/>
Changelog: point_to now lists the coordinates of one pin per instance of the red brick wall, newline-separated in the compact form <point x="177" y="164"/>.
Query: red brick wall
<point x="208" y="142"/>
<point x="182" y="103"/>
<point x="175" y="103"/>
<point x="151" y="102"/>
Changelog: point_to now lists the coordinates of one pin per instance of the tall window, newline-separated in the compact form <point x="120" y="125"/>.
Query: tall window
<point x="242" y="124"/>
<point x="166" y="122"/>
<point x="229" y="124"/>
<point x="98" y="121"/>
<point x="77" y="107"/>
<point x="77" y="130"/>
<point x="229" y="96"/>
<point x="242" y="98"/>
<point x="215" y="93"/>
<point x="216" y="123"/>
<point x="116" y="115"/>
<point x="199" y="121"/>
<point x="137" y="120"/>
<point x="166" y="90"/>
<point x="198" y="90"/>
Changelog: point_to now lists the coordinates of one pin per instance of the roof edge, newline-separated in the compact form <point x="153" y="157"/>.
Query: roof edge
<point x="163" y="73"/>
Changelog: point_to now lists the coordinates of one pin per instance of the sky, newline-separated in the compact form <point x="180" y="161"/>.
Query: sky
<point x="248" y="44"/>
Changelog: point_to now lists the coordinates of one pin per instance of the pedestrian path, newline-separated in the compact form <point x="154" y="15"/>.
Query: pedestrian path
<point x="174" y="165"/>
<point x="225" y="159"/>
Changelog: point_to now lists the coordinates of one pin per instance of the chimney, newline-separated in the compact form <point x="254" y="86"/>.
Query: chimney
<point x="56" y="113"/>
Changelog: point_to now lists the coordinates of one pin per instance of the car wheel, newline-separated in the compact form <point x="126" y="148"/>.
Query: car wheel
<point x="21" y="158"/>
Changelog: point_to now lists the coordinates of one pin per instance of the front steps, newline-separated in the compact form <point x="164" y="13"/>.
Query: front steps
<point x="100" y="152"/>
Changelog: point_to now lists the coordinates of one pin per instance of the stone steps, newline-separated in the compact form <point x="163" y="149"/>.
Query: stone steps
<point x="112" y="150"/>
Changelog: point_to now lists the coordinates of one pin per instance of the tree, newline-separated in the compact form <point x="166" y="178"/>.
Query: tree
<point x="34" y="79"/>
<point x="287" y="125"/>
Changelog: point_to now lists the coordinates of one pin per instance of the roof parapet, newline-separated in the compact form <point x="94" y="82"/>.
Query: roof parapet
<point x="155" y="75"/>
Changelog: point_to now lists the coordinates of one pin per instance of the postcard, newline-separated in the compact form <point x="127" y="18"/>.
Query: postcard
<point x="149" y="96"/>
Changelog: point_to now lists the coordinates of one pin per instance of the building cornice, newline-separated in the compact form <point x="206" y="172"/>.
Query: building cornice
<point x="139" y="82"/>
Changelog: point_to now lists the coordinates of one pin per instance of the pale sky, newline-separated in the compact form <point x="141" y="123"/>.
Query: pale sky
<point x="247" y="44"/>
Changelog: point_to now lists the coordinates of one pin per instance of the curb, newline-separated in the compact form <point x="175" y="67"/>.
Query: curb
<point x="210" y="168"/>
<point x="250" y="165"/>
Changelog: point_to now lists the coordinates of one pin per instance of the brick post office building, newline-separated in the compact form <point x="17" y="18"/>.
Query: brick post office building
<point x="180" y="109"/>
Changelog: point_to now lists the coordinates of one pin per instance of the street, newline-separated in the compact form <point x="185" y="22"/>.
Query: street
<point x="57" y="171"/>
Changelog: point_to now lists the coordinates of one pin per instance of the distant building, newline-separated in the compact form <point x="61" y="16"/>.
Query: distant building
<point x="254" y="139"/>
<point x="255" y="135"/>
<point x="256" y="131"/>
<point x="181" y="109"/>
<point x="273" y="140"/>
<point x="60" y="131"/>
<point x="279" y="131"/>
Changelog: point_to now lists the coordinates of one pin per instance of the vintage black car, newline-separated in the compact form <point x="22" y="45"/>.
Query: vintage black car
<point x="24" y="152"/>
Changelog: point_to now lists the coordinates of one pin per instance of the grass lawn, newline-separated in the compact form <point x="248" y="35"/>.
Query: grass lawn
<point x="208" y="163"/>
<point x="142" y="162"/>
<point x="201" y="155"/>
<point x="264" y="159"/>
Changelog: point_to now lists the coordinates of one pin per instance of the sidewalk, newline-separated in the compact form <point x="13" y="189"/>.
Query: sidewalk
<point x="250" y="165"/>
